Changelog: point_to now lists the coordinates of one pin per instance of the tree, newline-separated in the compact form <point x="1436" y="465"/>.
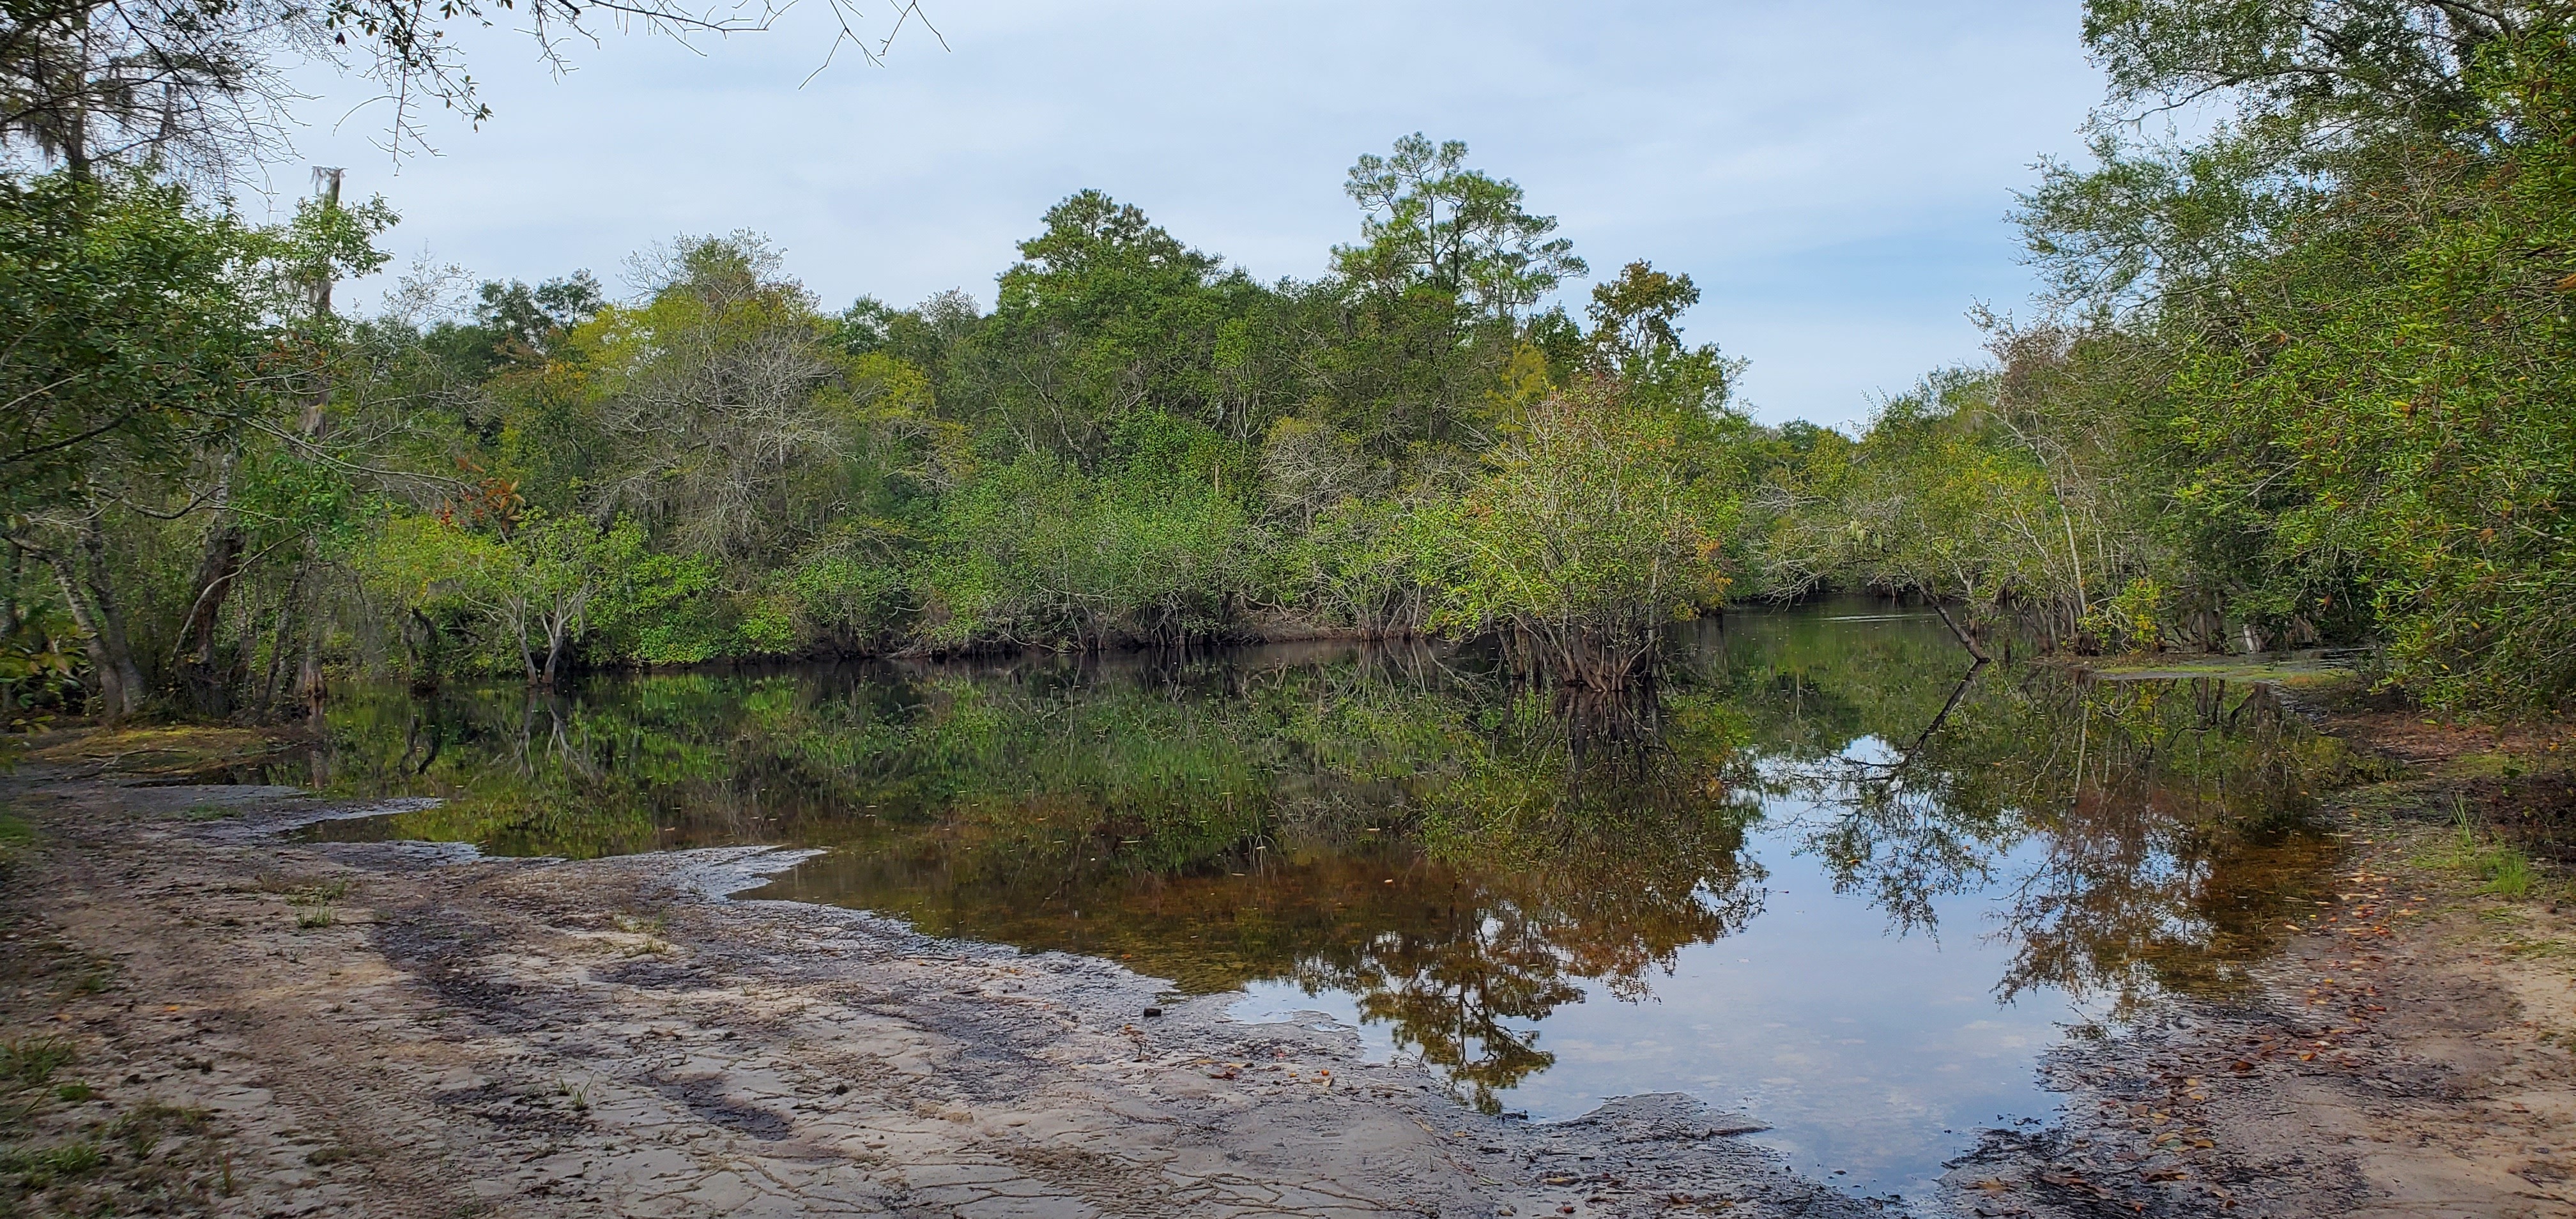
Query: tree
<point x="1433" y="225"/>
<point x="1586" y="533"/>
<point x="730" y="421"/>
<point x="1105" y="316"/>
<point x="201" y="86"/>
<point x="2333" y="329"/>
<point x="140" y="339"/>
<point x="537" y="585"/>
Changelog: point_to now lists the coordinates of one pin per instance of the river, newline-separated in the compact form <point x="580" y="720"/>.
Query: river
<point x="1823" y="874"/>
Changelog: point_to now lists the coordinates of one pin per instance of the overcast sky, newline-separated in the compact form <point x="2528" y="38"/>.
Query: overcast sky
<point x="1835" y="176"/>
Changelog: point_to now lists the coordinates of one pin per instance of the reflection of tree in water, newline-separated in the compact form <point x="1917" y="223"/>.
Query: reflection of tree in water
<point x="1610" y="829"/>
<point x="1595" y="858"/>
<point x="1541" y="842"/>
<point x="2165" y="817"/>
<point x="1213" y="820"/>
<point x="1462" y="854"/>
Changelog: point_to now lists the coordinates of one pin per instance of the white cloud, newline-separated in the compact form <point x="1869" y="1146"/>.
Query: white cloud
<point x="1834" y="175"/>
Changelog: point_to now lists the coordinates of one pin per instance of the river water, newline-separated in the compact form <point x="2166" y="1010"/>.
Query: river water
<point x="1823" y="875"/>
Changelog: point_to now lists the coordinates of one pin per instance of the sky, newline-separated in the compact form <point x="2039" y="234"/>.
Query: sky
<point x="1835" y="175"/>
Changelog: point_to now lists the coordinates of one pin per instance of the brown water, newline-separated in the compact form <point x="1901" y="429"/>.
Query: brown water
<point x="1814" y="877"/>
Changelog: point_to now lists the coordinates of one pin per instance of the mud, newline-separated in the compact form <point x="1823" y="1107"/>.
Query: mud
<point x="202" y="1018"/>
<point x="2412" y="1054"/>
<point x="403" y="1030"/>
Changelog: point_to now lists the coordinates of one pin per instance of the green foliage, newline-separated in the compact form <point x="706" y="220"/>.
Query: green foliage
<point x="2344" y="374"/>
<point x="2305" y="381"/>
<point x="1947" y="496"/>
<point x="39" y="674"/>
<point x="2501" y="869"/>
<point x="1586" y="534"/>
<point x="1434" y="226"/>
<point x="133" y="331"/>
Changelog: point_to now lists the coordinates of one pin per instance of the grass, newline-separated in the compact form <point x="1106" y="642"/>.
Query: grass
<point x="40" y="1168"/>
<point x="2501" y="869"/>
<point x="175" y="749"/>
<point x="211" y="812"/>
<point x="310" y="893"/>
<point x="153" y="1159"/>
<point x="311" y="898"/>
<point x="143" y="1129"/>
<point x="15" y="837"/>
<point x="2184" y="666"/>
<point x="31" y="1062"/>
<point x="652" y="924"/>
<point x="579" y="1096"/>
<point x="651" y="928"/>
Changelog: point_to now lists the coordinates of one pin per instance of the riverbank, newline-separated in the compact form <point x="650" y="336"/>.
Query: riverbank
<point x="2412" y="1052"/>
<point x="206" y="1020"/>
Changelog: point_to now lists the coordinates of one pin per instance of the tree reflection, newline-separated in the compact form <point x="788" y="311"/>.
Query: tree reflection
<point x="2161" y="825"/>
<point x="1461" y="853"/>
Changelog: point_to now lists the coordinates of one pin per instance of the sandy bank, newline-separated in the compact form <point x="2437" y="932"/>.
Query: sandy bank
<point x="404" y="1030"/>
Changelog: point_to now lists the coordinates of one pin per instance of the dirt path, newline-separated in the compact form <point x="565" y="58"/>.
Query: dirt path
<point x="205" y="1020"/>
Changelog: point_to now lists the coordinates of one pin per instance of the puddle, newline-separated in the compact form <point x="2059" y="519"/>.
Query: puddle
<point x="1814" y="879"/>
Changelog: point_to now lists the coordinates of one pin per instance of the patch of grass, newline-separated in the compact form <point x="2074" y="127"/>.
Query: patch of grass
<point x="40" y="1168"/>
<point x="579" y="1096"/>
<point x="651" y="928"/>
<point x="15" y="837"/>
<point x="175" y="749"/>
<point x="75" y="1093"/>
<point x="2502" y="869"/>
<point x="652" y="924"/>
<point x="309" y="893"/>
<point x="311" y="897"/>
<point x="2508" y="873"/>
<point x="143" y="1129"/>
<point x="211" y="812"/>
<point x="31" y="1062"/>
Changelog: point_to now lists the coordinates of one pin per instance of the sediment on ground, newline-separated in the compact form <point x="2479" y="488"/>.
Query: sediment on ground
<point x="206" y="1020"/>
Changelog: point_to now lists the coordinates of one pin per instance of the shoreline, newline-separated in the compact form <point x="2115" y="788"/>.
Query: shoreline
<point x="405" y="1028"/>
<point x="399" y="1029"/>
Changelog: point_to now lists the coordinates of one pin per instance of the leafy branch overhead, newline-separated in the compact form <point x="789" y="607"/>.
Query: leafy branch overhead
<point x="205" y="86"/>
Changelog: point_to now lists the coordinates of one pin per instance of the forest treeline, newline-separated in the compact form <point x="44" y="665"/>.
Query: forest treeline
<point x="2301" y="378"/>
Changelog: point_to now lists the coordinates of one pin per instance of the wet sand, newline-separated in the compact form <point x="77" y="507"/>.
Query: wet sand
<point x="2411" y="1055"/>
<point x="466" y="1036"/>
<point x="246" y="1026"/>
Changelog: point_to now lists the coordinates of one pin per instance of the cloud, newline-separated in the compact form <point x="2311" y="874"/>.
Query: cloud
<point x="1833" y="175"/>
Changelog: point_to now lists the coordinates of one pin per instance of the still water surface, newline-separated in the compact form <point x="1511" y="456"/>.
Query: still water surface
<point x="1823" y="875"/>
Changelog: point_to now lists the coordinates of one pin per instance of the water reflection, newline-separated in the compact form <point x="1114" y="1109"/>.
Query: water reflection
<point x="1458" y="861"/>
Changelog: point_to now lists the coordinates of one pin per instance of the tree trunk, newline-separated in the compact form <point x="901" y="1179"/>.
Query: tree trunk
<point x="9" y="618"/>
<point x="554" y="647"/>
<point x="92" y="600"/>
<point x="309" y="685"/>
<point x="218" y="569"/>
<point x="111" y="684"/>
<point x="1966" y="640"/>
<point x="275" y="683"/>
